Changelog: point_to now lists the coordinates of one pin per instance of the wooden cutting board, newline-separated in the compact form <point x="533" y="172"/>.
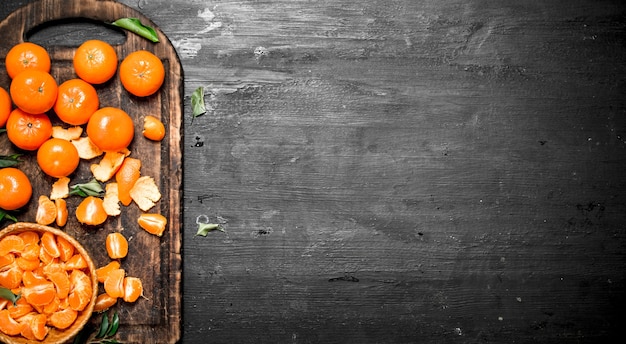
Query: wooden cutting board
<point x="157" y="261"/>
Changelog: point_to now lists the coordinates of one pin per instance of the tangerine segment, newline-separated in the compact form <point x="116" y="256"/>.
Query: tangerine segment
<point x="24" y="56"/>
<point x="152" y="223"/>
<point x="46" y="211"/>
<point x="39" y="294"/>
<point x="116" y="245"/>
<point x="34" y="91"/>
<point x="114" y="283"/>
<point x="28" y="131"/>
<point x="61" y="282"/>
<point x="11" y="243"/>
<point x="153" y="128"/>
<point x="76" y="262"/>
<point x="133" y="289"/>
<point x="62" y="213"/>
<point x="80" y="290"/>
<point x="111" y="129"/>
<point x="66" y="249"/>
<point x="11" y="276"/>
<point x="91" y="211"/>
<point x="15" y="192"/>
<point x="76" y="101"/>
<point x="8" y="325"/>
<point x="49" y="244"/>
<point x="103" y="302"/>
<point x="95" y="61"/>
<point x="142" y="73"/>
<point x="63" y="319"/>
<point x="104" y="271"/>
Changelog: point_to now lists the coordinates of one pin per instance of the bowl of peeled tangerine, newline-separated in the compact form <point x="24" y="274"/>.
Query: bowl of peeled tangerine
<point x="48" y="285"/>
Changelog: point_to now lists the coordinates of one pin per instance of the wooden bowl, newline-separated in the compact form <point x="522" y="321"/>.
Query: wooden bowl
<point x="55" y="335"/>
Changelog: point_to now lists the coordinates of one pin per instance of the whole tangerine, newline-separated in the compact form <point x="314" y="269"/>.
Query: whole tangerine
<point x="76" y="101"/>
<point x="57" y="157"/>
<point x="111" y="129"/>
<point x="15" y="188"/>
<point x="34" y="91"/>
<point x="26" y="55"/>
<point x="28" y="131"/>
<point x="95" y="61"/>
<point x="142" y="73"/>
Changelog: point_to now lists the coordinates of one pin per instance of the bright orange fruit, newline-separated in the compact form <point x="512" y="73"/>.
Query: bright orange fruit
<point x="63" y="319"/>
<point x="95" y="61"/>
<point x="104" y="271"/>
<point x="6" y="105"/>
<point x="111" y="129"/>
<point x="34" y="91"/>
<point x="28" y="131"/>
<point x="57" y="158"/>
<point x="76" y="101"/>
<point x="15" y="189"/>
<point x="24" y="56"/>
<point x="142" y="73"/>
<point x="104" y="301"/>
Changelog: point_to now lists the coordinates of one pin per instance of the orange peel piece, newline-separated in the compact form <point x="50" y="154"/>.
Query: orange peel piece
<point x="145" y="193"/>
<point x="108" y="165"/>
<point x="87" y="150"/>
<point x="111" y="201"/>
<point x="60" y="188"/>
<point x="69" y="134"/>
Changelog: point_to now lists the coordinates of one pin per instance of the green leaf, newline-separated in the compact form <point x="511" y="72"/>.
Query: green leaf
<point x="115" y="323"/>
<point x="9" y="160"/>
<point x="104" y="326"/>
<point x="3" y="130"/>
<point x="7" y="294"/>
<point x="134" y="25"/>
<point x="4" y="214"/>
<point x="92" y="188"/>
<point x="205" y="228"/>
<point x="197" y="102"/>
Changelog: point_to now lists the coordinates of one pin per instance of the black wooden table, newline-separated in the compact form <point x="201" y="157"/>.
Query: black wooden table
<point x="401" y="171"/>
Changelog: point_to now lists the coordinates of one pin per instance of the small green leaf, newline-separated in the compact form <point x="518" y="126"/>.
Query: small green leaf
<point x="4" y="214"/>
<point x="205" y="228"/>
<point x="9" y="160"/>
<point x="3" y="130"/>
<point x="92" y="188"/>
<point x="197" y="102"/>
<point x="104" y="326"/>
<point x="134" y="25"/>
<point x="115" y="323"/>
<point x="7" y="294"/>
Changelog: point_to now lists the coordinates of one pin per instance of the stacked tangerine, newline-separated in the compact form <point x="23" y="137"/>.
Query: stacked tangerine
<point x="52" y="277"/>
<point x="59" y="149"/>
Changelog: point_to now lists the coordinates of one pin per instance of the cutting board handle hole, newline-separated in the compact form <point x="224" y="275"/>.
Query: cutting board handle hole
<point x="73" y="32"/>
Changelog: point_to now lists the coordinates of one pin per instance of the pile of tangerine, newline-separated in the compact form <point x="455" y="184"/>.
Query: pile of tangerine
<point x="35" y="93"/>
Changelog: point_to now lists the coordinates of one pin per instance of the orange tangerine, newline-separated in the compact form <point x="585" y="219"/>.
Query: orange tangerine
<point x="104" y="271"/>
<point x="133" y="289"/>
<point x="104" y="301"/>
<point x="80" y="290"/>
<point x="63" y="319"/>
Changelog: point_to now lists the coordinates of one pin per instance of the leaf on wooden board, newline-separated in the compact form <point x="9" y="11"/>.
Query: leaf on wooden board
<point x="92" y="188"/>
<point x="197" y="102"/>
<point x="135" y="26"/>
<point x="9" y="160"/>
<point x="5" y="214"/>
<point x="205" y="228"/>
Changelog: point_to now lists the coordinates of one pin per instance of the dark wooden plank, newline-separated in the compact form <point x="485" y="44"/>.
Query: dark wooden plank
<point x="156" y="260"/>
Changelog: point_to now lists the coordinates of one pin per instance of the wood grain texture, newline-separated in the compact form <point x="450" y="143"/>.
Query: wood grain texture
<point x="155" y="260"/>
<point x="402" y="171"/>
